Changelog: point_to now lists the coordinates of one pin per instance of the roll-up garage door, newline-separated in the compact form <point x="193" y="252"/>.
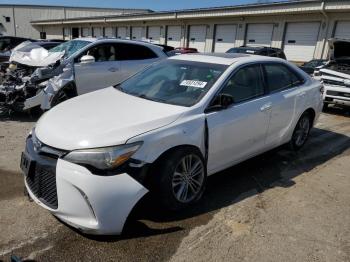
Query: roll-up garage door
<point x="109" y="32"/>
<point x="259" y="34"/>
<point x="122" y="32"/>
<point x="197" y="36"/>
<point x="342" y="30"/>
<point x="85" y="31"/>
<point x="225" y="37"/>
<point x="300" y="41"/>
<point x="136" y="33"/>
<point x="97" y="31"/>
<point x="174" y="36"/>
<point x="154" y="34"/>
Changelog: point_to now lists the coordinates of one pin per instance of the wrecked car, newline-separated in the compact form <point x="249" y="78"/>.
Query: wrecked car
<point x="335" y="75"/>
<point x="183" y="119"/>
<point x="73" y="68"/>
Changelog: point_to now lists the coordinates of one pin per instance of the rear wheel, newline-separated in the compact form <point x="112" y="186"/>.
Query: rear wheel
<point x="182" y="179"/>
<point x="301" y="131"/>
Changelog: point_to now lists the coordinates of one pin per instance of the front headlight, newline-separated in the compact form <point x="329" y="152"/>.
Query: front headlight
<point x="105" y="158"/>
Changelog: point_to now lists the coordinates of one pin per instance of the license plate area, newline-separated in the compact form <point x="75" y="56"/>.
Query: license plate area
<point x="27" y="164"/>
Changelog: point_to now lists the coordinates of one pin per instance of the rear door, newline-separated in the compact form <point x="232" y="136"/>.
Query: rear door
<point x="104" y="72"/>
<point x="288" y="99"/>
<point x="238" y="132"/>
<point x="133" y="58"/>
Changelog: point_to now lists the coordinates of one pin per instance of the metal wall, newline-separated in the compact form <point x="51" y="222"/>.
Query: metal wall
<point x="21" y="17"/>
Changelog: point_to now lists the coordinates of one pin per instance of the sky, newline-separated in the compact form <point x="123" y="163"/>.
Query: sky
<point x="157" y="5"/>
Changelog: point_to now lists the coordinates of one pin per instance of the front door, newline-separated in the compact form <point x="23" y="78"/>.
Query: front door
<point x="240" y="130"/>
<point x="104" y="72"/>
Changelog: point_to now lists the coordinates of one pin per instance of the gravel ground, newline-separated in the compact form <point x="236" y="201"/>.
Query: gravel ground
<point x="280" y="206"/>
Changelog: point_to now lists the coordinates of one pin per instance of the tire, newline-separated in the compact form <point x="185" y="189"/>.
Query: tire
<point x="325" y="107"/>
<point x="64" y="94"/>
<point x="301" y="131"/>
<point x="173" y="179"/>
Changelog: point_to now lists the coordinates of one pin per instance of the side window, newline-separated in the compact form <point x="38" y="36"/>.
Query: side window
<point x="102" y="53"/>
<point x="245" y="84"/>
<point x="279" y="77"/>
<point x="134" y="52"/>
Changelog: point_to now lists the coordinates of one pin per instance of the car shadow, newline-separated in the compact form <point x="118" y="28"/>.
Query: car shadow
<point x="21" y="117"/>
<point x="276" y="168"/>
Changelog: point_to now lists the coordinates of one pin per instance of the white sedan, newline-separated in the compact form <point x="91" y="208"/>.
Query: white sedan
<point x="92" y="158"/>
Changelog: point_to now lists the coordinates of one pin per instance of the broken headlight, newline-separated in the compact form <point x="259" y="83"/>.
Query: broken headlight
<point x="106" y="158"/>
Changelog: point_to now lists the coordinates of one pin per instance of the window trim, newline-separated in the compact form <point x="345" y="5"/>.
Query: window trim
<point x="262" y="76"/>
<point x="289" y="68"/>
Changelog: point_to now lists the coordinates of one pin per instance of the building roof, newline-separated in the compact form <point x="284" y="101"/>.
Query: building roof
<point x="270" y="8"/>
<point x="76" y="7"/>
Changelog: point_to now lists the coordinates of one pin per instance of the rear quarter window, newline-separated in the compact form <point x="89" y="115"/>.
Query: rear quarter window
<point x="280" y="77"/>
<point x="134" y="52"/>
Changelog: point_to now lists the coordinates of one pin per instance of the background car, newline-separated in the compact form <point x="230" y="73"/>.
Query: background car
<point x="258" y="50"/>
<point x="82" y="65"/>
<point x="309" y="67"/>
<point x="164" y="130"/>
<point x="183" y="50"/>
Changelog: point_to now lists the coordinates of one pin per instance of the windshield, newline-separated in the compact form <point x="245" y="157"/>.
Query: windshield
<point x="70" y="47"/>
<point x="175" y="82"/>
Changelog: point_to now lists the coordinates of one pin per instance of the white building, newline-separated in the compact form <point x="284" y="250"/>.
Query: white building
<point x="15" y="20"/>
<point x="301" y="28"/>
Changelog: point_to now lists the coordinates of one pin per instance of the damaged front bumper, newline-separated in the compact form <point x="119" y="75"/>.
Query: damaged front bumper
<point x="94" y="204"/>
<point x="336" y="87"/>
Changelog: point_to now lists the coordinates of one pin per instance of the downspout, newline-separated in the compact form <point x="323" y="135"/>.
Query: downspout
<point x="14" y="20"/>
<point x="323" y="12"/>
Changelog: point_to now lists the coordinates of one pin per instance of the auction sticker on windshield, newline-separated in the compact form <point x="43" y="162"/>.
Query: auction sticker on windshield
<point x="193" y="83"/>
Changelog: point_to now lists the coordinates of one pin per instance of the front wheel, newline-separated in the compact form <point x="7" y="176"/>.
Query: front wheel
<point x="182" y="179"/>
<point x="301" y="131"/>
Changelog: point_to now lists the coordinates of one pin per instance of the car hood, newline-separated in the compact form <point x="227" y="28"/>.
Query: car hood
<point x="102" y="118"/>
<point x="339" y="50"/>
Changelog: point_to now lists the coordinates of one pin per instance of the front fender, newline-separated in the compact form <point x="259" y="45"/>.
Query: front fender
<point x="187" y="131"/>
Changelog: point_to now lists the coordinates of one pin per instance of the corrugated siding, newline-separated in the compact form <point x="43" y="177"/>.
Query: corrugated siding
<point x="8" y="28"/>
<point x="25" y="15"/>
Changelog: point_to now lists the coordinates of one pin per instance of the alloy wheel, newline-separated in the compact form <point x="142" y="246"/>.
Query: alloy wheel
<point x="302" y="131"/>
<point x="188" y="178"/>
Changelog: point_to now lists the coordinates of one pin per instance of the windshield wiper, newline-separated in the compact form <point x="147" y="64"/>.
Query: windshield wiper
<point x="152" y="98"/>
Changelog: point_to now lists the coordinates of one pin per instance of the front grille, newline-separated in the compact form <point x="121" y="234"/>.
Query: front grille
<point x="42" y="184"/>
<point x="336" y="93"/>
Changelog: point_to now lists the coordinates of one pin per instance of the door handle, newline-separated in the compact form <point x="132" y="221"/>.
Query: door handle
<point x="266" y="107"/>
<point x="112" y="69"/>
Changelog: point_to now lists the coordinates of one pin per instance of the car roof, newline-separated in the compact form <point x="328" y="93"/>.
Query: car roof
<point x="257" y="47"/>
<point x="223" y="58"/>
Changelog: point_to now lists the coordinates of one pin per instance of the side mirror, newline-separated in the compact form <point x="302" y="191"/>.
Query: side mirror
<point x="221" y="101"/>
<point x="87" y="59"/>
